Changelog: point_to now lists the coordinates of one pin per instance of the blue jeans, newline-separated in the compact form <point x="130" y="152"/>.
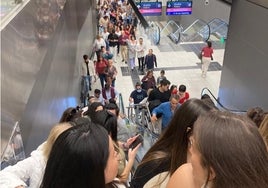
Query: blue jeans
<point x="113" y="82"/>
<point x="102" y="79"/>
<point x="85" y="87"/>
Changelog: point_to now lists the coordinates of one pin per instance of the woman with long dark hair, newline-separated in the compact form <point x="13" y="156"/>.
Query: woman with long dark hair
<point x="83" y="156"/>
<point x="109" y="122"/>
<point x="227" y="150"/>
<point x="171" y="149"/>
<point x="101" y="65"/>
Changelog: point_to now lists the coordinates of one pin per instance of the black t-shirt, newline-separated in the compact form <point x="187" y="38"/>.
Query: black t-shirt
<point x="147" y="171"/>
<point x="138" y="96"/>
<point x="111" y="38"/>
<point x="156" y="94"/>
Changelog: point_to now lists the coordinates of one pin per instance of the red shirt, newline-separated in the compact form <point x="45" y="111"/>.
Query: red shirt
<point x="174" y="91"/>
<point x="207" y="52"/>
<point x="127" y="32"/>
<point x="186" y="97"/>
<point x="101" y="66"/>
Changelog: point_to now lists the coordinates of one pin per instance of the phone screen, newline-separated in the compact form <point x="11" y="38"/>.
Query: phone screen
<point x="138" y="140"/>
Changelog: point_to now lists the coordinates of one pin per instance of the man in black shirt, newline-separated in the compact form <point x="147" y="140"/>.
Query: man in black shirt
<point x="159" y="95"/>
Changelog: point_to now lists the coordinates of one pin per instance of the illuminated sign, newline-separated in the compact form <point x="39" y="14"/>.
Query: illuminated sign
<point x="179" y="8"/>
<point x="150" y="8"/>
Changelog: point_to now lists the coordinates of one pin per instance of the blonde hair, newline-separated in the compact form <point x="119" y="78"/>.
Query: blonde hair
<point x="53" y="135"/>
<point x="264" y="130"/>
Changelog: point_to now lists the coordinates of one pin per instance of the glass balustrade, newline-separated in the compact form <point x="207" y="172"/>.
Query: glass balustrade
<point x="13" y="150"/>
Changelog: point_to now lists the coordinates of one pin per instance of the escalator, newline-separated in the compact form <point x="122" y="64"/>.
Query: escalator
<point x="139" y="15"/>
<point x="218" y="104"/>
<point x="198" y="31"/>
<point x="151" y="29"/>
<point x="172" y="29"/>
<point x="218" y="28"/>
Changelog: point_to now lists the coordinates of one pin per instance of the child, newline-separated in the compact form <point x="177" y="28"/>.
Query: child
<point x="161" y="77"/>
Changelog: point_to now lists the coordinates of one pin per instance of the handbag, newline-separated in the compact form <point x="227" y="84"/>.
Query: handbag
<point x="200" y="55"/>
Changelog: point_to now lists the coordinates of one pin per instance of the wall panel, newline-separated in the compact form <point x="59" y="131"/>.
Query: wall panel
<point x="40" y="65"/>
<point x="245" y="67"/>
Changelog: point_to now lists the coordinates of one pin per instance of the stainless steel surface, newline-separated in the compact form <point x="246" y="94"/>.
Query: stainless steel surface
<point x="40" y="56"/>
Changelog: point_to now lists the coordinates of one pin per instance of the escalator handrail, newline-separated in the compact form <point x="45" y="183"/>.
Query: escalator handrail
<point x="218" y="19"/>
<point x="221" y="105"/>
<point x="197" y="20"/>
<point x="92" y="54"/>
<point x="205" y="24"/>
<point x="180" y="28"/>
<point x="223" y="23"/>
<point x="139" y="15"/>
<point x="154" y="24"/>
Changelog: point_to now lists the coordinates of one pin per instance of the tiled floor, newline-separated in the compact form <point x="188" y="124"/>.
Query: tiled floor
<point x="181" y="64"/>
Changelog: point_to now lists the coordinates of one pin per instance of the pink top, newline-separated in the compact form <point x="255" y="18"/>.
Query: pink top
<point x="207" y="52"/>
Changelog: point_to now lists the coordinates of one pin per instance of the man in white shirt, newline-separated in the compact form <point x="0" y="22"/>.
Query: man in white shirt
<point x="87" y="72"/>
<point x="141" y="53"/>
<point x="105" y="35"/>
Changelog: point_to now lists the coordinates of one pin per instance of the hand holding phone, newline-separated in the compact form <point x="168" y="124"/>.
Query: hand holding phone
<point x="136" y="142"/>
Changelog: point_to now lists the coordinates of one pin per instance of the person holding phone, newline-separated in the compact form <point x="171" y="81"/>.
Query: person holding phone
<point x="109" y="122"/>
<point x="171" y="149"/>
<point x="136" y="142"/>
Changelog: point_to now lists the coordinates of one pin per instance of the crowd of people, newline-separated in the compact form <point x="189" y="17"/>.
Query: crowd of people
<point x="198" y="146"/>
<point x="116" y="42"/>
<point x="172" y="104"/>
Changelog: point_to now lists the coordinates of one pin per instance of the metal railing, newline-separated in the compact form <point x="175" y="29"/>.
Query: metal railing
<point x="205" y="90"/>
<point x="141" y="115"/>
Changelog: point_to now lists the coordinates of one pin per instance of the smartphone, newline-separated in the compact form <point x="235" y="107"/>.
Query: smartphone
<point x="136" y="142"/>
